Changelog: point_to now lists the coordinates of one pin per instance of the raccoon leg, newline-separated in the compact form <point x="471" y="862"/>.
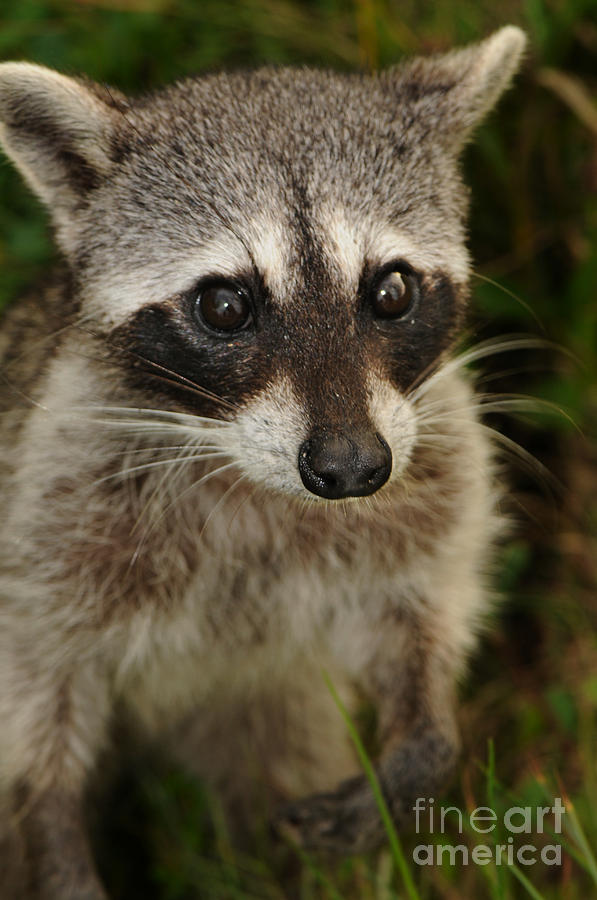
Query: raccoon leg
<point x="49" y="743"/>
<point x="53" y="858"/>
<point x="259" y="752"/>
<point x="419" y="743"/>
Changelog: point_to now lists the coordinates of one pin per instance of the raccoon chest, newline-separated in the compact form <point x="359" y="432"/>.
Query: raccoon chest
<point x="227" y="632"/>
<point x="253" y="592"/>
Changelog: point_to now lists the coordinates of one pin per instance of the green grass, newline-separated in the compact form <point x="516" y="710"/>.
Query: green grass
<point x="532" y="690"/>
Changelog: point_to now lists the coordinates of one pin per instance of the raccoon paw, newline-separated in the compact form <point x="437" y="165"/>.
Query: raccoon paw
<point x="343" y="822"/>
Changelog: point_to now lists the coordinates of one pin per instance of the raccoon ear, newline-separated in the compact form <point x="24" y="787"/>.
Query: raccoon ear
<point x="454" y="91"/>
<point x="58" y="131"/>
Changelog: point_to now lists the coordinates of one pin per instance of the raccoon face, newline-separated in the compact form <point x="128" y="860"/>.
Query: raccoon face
<point x="314" y="378"/>
<point x="282" y="250"/>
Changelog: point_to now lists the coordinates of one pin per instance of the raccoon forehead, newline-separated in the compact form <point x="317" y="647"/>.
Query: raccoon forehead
<point x="114" y="293"/>
<point x="275" y="252"/>
<point x="351" y="242"/>
<point x="152" y="272"/>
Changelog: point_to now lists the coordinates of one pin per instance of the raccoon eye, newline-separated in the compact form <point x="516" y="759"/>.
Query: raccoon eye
<point x="393" y="295"/>
<point x="223" y="307"/>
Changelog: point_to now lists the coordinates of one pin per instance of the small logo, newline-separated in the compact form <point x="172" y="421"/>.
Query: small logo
<point x="517" y="820"/>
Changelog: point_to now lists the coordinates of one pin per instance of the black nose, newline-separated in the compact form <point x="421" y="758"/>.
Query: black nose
<point x="335" y="465"/>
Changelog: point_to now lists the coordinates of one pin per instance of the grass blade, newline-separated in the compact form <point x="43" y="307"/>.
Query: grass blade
<point x="532" y="891"/>
<point x="394" y="840"/>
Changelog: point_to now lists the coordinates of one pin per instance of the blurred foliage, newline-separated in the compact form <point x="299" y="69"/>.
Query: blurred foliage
<point x="533" y="235"/>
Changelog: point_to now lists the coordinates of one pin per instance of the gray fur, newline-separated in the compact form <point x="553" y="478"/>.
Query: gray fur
<point x="159" y="551"/>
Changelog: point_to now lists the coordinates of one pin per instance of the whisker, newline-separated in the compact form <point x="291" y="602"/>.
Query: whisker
<point x="483" y="350"/>
<point x="180" y="381"/>
<point x="167" y="375"/>
<point x="140" y="412"/>
<point x="436" y="439"/>
<point x="533" y="465"/>
<point x="526" y="306"/>
<point x="35" y="346"/>
<point x="190" y="449"/>
<point x="220" y="502"/>
<point x="247" y="497"/>
<point x="142" y="467"/>
<point x="156" y="422"/>
<point x="163" y="448"/>
<point x="169" y="506"/>
<point x="492" y="403"/>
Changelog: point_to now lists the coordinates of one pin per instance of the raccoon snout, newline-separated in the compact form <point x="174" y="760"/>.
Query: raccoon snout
<point x="335" y="465"/>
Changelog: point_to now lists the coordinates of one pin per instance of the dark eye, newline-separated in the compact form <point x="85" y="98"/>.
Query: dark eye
<point x="393" y="295"/>
<point x="223" y="307"/>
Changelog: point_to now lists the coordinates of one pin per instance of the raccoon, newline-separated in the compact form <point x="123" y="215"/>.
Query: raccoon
<point x="239" y="454"/>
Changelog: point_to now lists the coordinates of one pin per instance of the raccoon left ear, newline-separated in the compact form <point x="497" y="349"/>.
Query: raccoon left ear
<point x="58" y="131"/>
<point x="453" y="92"/>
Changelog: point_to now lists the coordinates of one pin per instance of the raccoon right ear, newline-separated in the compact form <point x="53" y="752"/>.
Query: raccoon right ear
<point x="58" y="131"/>
<point x="452" y="92"/>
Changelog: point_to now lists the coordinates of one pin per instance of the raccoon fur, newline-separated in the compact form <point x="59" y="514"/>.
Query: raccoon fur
<point x="238" y="453"/>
